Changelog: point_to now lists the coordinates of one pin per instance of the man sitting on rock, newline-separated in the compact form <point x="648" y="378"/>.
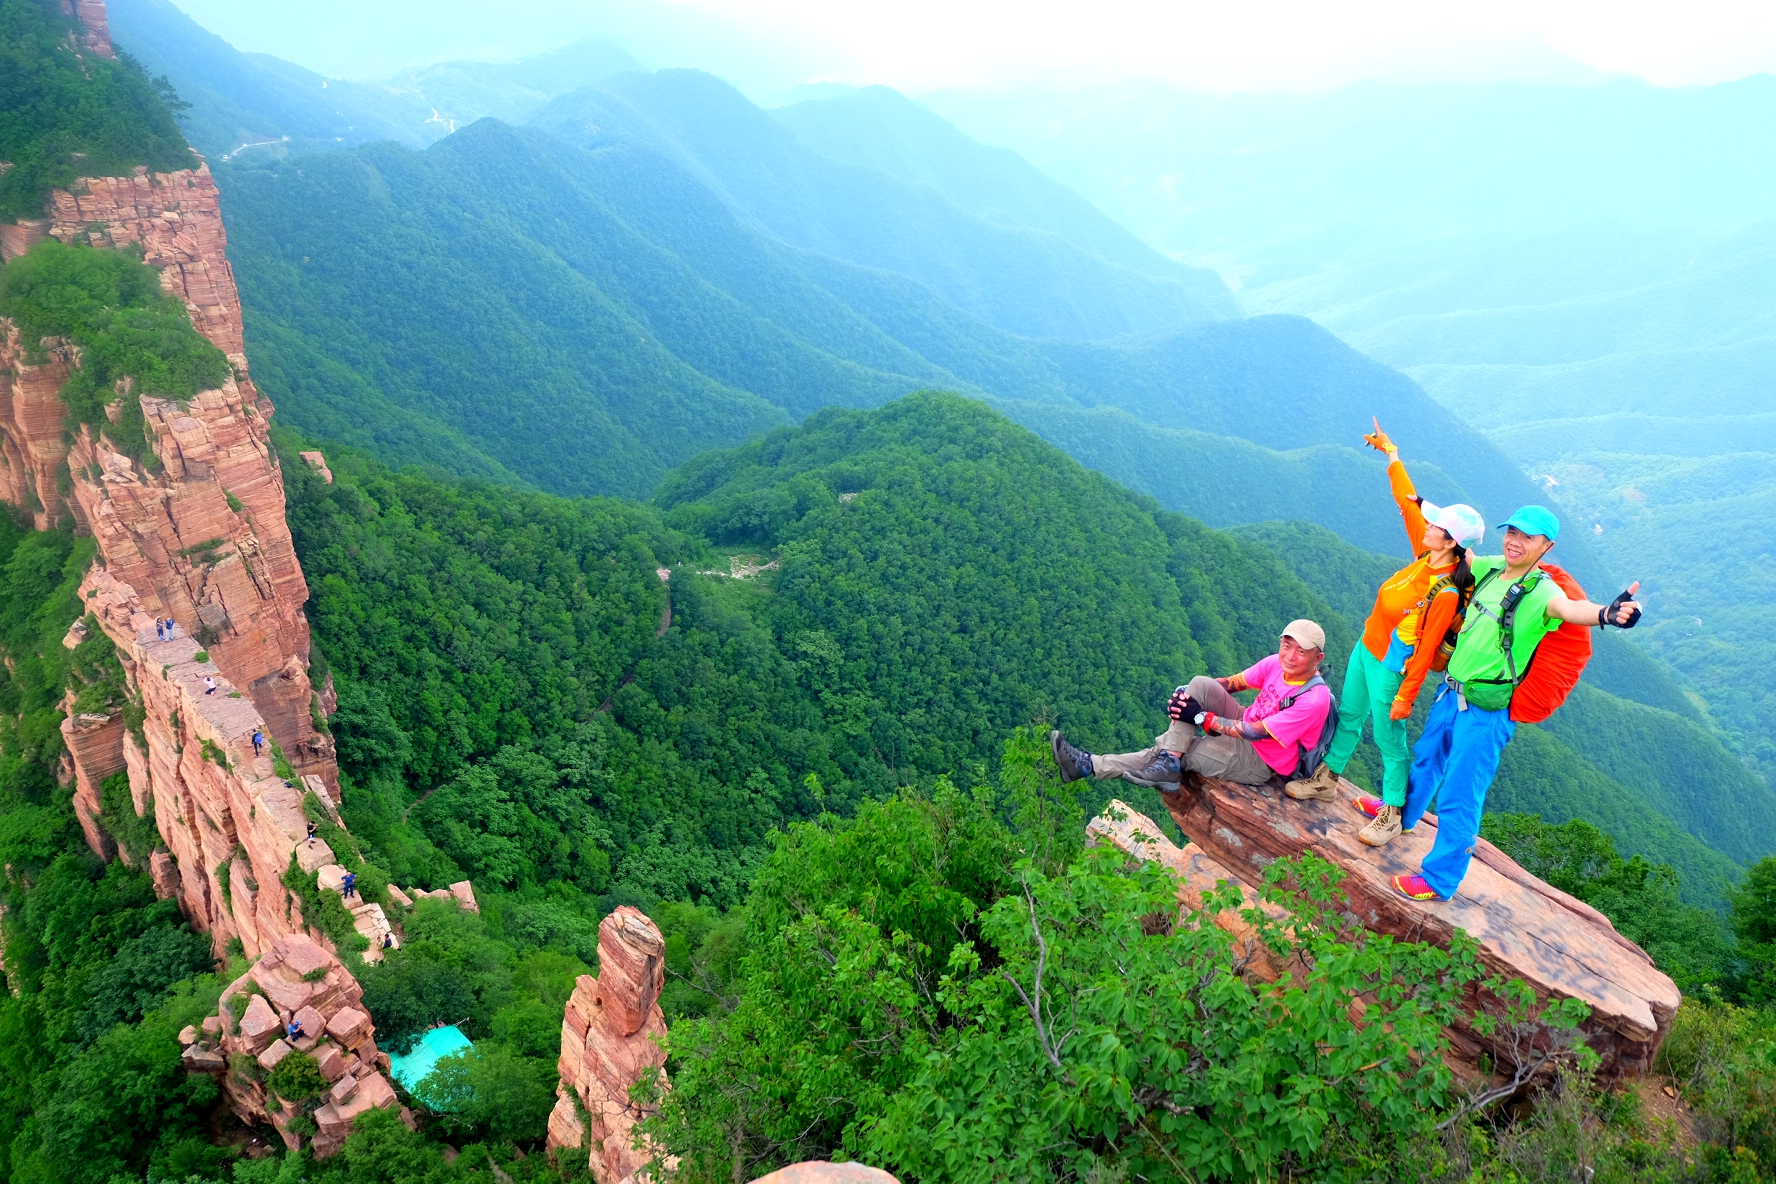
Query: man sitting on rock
<point x="1248" y="745"/>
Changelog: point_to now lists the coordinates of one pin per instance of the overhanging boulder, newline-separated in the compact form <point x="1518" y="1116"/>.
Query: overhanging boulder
<point x="1526" y="929"/>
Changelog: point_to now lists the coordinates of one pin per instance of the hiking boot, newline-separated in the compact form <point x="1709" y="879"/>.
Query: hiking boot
<point x="1074" y="762"/>
<point x="1386" y="826"/>
<point x="1162" y="772"/>
<point x="1373" y="806"/>
<point x="1321" y="787"/>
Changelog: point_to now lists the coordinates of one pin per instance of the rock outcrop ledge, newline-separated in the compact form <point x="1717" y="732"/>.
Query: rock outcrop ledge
<point x="1526" y="929"/>
<point x="297" y="980"/>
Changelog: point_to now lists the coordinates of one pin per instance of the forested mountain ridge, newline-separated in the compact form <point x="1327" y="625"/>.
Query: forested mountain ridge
<point x="1028" y="281"/>
<point x="941" y="577"/>
<point x="716" y="316"/>
<point x="1199" y="417"/>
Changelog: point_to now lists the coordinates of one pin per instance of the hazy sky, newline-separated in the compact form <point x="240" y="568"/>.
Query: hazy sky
<point x="927" y="44"/>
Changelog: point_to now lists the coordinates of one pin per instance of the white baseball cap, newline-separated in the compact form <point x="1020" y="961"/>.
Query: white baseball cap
<point x="1306" y="633"/>
<point x="1460" y="522"/>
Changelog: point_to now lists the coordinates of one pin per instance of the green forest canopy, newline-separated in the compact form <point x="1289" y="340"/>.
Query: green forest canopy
<point x="66" y="114"/>
<point x="511" y="711"/>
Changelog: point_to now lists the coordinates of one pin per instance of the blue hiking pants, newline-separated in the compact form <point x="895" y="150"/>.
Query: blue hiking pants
<point x="1454" y="761"/>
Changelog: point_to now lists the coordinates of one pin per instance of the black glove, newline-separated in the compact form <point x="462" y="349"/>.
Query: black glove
<point x="1614" y="609"/>
<point x="1183" y="706"/>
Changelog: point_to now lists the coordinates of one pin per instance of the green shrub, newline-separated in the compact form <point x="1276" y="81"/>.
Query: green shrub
<point x="60" y="104"/>
<point x="323" y="910"/>
<point x="297" y="1078"/>
<point x="137" y="834"/>
<point x="127" y="326"/>
<point x="214" y="754"/>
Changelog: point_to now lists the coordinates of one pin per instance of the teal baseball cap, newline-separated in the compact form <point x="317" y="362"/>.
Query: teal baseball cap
<point x="1534" y="520"/>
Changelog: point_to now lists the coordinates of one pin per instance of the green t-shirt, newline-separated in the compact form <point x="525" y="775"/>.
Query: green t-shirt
<point x="1479" y="650"/>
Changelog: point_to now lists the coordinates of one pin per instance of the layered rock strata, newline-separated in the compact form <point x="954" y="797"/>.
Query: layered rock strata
<point x="612" y="1038"/>
<point x="1525" y="929"/>
<point x="202" y="540"/>
<point x="231" y="824"/>
<point x="296" y="981"/>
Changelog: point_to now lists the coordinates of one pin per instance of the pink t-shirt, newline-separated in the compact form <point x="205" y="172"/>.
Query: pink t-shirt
<point x="1296" y="728"/>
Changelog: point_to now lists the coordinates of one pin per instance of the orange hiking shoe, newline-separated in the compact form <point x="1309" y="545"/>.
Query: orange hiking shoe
<point x="1415" y="888"/>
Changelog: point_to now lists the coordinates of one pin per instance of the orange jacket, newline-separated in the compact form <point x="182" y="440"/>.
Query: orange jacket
<point x="1399" y="602"/>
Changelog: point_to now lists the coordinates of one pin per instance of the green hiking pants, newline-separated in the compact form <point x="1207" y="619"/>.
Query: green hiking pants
<point x="1369" y="690"/>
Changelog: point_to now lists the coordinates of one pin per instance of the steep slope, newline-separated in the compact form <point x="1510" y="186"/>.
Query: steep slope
<point x="202" y="757"/>
<point x="1022" y="280"/>
<point x="881" y="129"/>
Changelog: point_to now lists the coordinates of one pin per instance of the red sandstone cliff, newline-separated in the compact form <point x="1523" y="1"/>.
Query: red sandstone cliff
<point x="200" y="539"/>
<point x="204" y="542"/>
<point x="611" y="1039"/>
<point x="296" y="981"/>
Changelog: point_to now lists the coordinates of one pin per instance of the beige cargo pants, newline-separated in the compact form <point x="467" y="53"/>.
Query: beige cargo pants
<point x="1230" y="758"/>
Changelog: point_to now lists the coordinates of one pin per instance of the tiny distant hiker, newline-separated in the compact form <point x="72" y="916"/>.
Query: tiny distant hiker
<point x="1414" y="609"/>
<point x="311" y="828"/>
<point x="209" y="685"/>
<point x="1248" y="745"/>
<point x="160" y="629"/>
<point x="349" y="887"/>
<point x="258" y="742"/>
<point x="1517" y="606"/>
<point x="388" y="941"/>
<point x="294" y="1030"/>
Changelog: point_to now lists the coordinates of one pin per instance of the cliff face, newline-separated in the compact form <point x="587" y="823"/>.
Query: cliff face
<point x="199" y="538"/>
<point x="296" y="982"/>
<point x="203" y="541"/>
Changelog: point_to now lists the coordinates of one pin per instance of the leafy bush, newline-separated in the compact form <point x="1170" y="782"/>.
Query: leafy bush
<point x="137" y="834"/>
<point x="1754" y="921"/>
<point x="127" y="326"/>
<point x="491" y="1090"/>
<point x="63" y="115"/>
<point x="296" y="1078"/>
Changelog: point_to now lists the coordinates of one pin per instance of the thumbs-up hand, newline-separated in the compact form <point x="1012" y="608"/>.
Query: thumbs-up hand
<point x="1624" y="611"/>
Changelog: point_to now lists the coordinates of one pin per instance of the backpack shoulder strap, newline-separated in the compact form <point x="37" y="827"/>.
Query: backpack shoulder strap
<point x="1288" y="700"/>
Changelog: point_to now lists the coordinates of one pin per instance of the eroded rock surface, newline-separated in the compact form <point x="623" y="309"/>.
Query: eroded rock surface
<point x="1526" y="929"/>
<point x="198" y="537"/>
<point x="297" y="980"/>
<point x="611" y="1039"/>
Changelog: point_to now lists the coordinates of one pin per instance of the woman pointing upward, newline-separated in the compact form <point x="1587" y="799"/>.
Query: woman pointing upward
<point x="1414" y="609"/>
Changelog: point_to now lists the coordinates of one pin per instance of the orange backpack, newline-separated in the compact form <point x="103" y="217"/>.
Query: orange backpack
<point x="1558" y="661"/>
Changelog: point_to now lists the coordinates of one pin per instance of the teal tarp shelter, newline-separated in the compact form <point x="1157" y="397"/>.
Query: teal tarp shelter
<point x="411" y="1069"/>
